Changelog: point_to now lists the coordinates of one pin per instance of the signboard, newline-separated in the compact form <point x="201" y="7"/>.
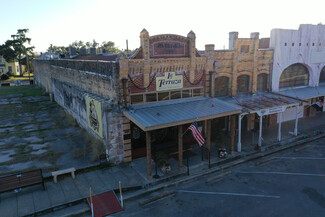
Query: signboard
<point x="169" y="82"/>
<point x="165" y="48"/>
<point x="94" y="115"/>
<point x="271" y="111"/>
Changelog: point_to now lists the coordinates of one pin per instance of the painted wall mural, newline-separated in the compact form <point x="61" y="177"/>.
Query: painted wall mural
<point x="94" y="115"/>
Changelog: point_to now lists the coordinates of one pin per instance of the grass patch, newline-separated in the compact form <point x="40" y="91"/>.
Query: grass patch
<point x="80" y="152"/>
<point x="95" y="146"/>
<point x="22" y="78"/>
<point x="29" y="90"/>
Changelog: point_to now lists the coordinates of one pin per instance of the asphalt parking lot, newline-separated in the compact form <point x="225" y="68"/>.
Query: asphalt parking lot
<point x="290" y="183"/>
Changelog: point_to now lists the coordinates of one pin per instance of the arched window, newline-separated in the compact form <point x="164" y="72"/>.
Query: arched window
<point x="221" y="86"/>
<point x="243" y="84"/>
<point x="293" y="76"/>
<point x="322" y="76"/>
<point x="262" y="80"/>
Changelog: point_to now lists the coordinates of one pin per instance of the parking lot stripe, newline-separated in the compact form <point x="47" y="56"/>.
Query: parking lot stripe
<point x="302" y="158"/>
<point x="229" y="194"/>
<point x="285" y="173"/>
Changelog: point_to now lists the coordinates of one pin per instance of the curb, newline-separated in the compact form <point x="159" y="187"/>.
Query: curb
<point x="233" y="163"/>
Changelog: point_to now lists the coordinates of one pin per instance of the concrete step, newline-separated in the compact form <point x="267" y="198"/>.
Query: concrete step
<point x="81" y="209"/>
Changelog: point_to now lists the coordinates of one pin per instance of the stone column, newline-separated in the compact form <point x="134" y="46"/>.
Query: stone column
<point x="192" y="50"/>
<point x="144" y="37"/>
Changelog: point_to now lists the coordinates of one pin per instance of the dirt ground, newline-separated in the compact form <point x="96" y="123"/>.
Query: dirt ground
<point x="38" y="133"/>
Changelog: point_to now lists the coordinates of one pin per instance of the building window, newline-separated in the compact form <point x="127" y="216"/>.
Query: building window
<point x="151" y="97"/>
<point x="322" y="76"/>
<point x="244" y="49"/>
<point x="175" y="95"/>
<point x="285" y="44"/>
<point x="243" y="84"/>
<point x="299" y="44"/>
<point x="163" y="96"/>
<point x="186" y="93"/>
<point x="293" y="44"/>
<point x="9" y="68"/>
<point x="135" y="99"/>
<point x="17" y="68"/>
<point x="221" y="86"/>
<point x="262" y="80"/>
<point x="198" y="92"/>
<point x="166" y="95"/>
<point x="293" y="76"/>
<point x="313" y="44"/>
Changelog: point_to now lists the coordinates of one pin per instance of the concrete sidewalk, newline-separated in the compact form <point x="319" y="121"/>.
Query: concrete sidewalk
<point x="70" y="191"/>
<point x="34" y="199"/>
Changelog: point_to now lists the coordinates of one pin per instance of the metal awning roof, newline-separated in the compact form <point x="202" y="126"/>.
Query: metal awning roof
<point x="305" y="92"/>
<point x="172" y="113"/>
<point x="252" y="103"/>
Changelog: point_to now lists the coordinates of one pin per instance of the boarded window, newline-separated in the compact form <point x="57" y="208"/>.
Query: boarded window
<point x="244" y="49"/>
<point x="221" y="86"/>
<point x="262" y="80"/>
<point x="243" y="84"/>
<point x="293" y="76"/>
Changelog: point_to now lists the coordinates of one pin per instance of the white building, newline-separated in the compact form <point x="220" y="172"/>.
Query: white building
<point x="299" y="65"/>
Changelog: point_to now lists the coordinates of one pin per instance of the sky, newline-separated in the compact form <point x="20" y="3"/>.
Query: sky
<point x="60" y="22"/>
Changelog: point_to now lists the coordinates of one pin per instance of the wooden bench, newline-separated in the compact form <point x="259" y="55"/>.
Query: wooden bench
<point x="20" y="180"/>
<point x="61" y="172"/>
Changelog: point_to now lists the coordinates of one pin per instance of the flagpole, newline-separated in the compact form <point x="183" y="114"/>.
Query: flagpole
<point x="91" y="203"/>
<point x="191" y="123"/>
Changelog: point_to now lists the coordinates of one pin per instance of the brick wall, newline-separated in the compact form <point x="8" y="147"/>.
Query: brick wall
<point x="69" y="82"/>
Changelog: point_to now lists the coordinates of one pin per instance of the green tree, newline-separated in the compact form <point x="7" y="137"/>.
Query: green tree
<point x="8" y="52"/>
<point x="109" y="46"/>
<point x="57" y="49"/>
<point x="17" y="48"/>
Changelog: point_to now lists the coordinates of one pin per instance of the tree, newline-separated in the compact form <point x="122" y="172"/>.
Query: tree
<point x="109" y="46"/>
<point x="8" y="52"/>
<point x="16" y="48"/>
<point x="57" y="49"/>
<point x="78" y="44"/>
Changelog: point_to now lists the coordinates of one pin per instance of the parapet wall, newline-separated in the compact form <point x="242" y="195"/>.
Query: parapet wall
<point x="71" y="82"/>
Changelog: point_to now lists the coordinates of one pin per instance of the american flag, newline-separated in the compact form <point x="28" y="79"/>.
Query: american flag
<point x="197" y="134"/>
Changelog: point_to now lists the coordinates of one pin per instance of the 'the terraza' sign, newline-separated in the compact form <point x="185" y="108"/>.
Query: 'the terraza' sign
<point x="169" y="81"/>
<point x="270" y="111"/>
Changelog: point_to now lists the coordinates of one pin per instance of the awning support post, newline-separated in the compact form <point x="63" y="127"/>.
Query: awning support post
<point x="180" y="147"/>
<point x="148" y="144"/>
<point x="296" y="123"/>
<point x="260" y="133"/>
<point x="239" y="132"/>
<point x="279" y="128"/>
